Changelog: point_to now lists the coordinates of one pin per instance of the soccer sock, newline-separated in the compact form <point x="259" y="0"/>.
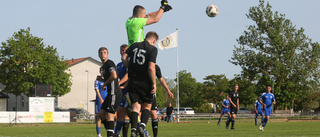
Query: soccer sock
<point x="219" y="120"/>
<point x="118" y="127"/>
<point x="155" y="127"/>
<point x="125" y="128"/>
<point x="110" y="128"/>
<point x="144" y="118"/>
<point x="255" y="120"/>
<point x="232" y="124"/>
<point x="98" y="130"/>
<point x="265" y="122"/>
<point x="261" y="119"/>
<point x="134" y="121"/>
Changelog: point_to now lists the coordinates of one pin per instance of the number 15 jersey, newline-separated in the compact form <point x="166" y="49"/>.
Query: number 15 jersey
<point x="141" y="53"/>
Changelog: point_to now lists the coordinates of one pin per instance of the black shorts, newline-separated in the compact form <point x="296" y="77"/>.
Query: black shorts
<point x="111" y="103"/>
<point x="140" y="92"/>
<point x="233" y="110"/>
<point x="154" y="103"/>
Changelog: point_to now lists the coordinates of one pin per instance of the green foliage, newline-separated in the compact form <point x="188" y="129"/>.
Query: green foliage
<point x="203" y="108"/>
<point x="190" y="91"/>
<point x="246" y="90"/>
<point x="274" y="47"/>
<point x="26" y="61"/>
<point x="214" y="87"/>
<point x="163" y="98"/>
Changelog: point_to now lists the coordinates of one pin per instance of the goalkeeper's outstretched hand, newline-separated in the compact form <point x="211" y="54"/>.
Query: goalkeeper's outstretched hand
<point x="165" y="5"/>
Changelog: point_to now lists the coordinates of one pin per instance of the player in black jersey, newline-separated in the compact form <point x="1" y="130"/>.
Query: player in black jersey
<point x="234" y="106"/>
<point x="111" y="103"/>
<point x="154" y="116"/>
<point x="142" y="78"/>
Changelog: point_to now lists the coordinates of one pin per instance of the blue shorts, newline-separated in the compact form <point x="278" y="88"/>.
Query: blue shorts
<point x="259" y="113"/>
<point x="123" y="102"/>
<point x="224" y="110"/>
<point x="267" y="111"/>
<point x="98" y="107"/>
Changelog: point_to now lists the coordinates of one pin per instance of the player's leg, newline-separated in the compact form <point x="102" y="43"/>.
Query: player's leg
<point x="233" y="120"/>
<point x="134" y="117"/>
<point x="146" y="107"/>
<point x="266" y="119"/>
<point x="98" y="119"/>
<point x="121" y="112"/>
<point x="154" y="118"/>
<point x="255" y="120"/>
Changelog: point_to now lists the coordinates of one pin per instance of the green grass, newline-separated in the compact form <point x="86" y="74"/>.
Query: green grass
<point x="193" y="129"/>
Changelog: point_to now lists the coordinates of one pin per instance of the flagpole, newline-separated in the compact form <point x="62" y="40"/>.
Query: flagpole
<point x="178" y="106"/>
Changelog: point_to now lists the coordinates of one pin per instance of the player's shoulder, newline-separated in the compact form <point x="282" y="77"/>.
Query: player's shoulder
<point x="224" y="100"/>
<point x="256" y="101"/>
<point x="264" y="93"/>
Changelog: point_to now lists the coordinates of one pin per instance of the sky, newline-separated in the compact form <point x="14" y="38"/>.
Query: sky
<point x="78" y="28"/>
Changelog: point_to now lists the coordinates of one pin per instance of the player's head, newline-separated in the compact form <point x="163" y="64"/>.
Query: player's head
<point x="152" y="38"/>
<point x="123" y="48"/>
<point x="236" y="87"/>
<point x="103" y="54"/>
<point x="169" y="104"/>
<point x="227" y="96"/>
<point x="139" y="11"/>
<point x="99" y="78"/>
<point x="268" y="88"/>
<point x="101" y="72"/>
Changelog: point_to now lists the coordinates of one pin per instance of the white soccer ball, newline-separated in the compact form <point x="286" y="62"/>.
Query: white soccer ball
<point x="212" y="11"/>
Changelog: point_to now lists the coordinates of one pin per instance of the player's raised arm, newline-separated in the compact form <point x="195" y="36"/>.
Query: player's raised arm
<point x="154" y="17"/>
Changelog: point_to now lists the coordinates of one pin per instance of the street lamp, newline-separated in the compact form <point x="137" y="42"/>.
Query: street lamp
<point x="87" y="90"/>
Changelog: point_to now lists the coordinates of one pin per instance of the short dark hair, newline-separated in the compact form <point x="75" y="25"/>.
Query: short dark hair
<point x="152" y="34"/>
<point x="102" y="48"/>
<point x="268" y="86"/>
<point x="123" y="46"/>
<point x="136" y="10"/>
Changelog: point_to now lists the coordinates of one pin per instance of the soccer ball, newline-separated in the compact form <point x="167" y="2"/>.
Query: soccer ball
<point x="212" y="11"/>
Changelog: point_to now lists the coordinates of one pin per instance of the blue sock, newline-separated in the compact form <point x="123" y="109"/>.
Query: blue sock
<point x="255" y="120"/>
<point x="98" y="130"/>
<point x="265" y="122"/>
<point x="145" y="132"/>
<point x="219" y="120"/>
<point x="118" y="127"/>
<point x="261" y="119"/>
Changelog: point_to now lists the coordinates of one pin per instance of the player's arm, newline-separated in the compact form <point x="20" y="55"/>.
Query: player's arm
<point x="231" y="102"/>
<point x="154" y="17"/>
<point x="255" y="108"/>
<point x="260" y="100"/>
<point x="124" y="79"/>
<point x="238" y="103"/>
<point x="125" y="59"/>
<point x="112" y="77"/>
<point x="99" y="96"/>
<point x="152" y="74"/>
<point x="164" y="85"/>
<point x="274" y="100"/>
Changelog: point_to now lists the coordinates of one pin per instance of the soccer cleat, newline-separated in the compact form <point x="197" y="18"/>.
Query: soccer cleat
<point x="141" y="132"/>
<point x="255" y="124"/>
<point x="260" y="127"/>
<point x="99" y="135"/>
<point x="218" y="124"/>
<point x="233" y="129"/>
<point x="133" y="134"/>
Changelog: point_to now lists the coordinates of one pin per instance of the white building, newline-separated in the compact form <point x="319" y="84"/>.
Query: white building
<point x="84" y="72"/>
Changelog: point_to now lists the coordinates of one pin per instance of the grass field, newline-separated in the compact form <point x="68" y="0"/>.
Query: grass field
<point x="193" y="129"/>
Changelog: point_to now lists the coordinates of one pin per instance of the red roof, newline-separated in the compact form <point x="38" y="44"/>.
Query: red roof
<point x="74" y="61"/>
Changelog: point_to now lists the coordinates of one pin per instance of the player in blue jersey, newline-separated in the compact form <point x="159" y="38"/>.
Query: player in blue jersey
<point x="266" y="99"/>
<point x="224" y="109"/>
<point x="123" y="119"/>
<point x="100" y="97"/>
<point x="258" y="111"/>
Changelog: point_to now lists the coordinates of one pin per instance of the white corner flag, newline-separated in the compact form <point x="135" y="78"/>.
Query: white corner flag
<point x="171" y="41"/>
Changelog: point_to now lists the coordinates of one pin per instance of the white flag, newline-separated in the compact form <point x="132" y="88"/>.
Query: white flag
<point x="171" y="41"/>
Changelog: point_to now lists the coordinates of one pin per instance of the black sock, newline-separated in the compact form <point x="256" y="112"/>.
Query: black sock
<point x="109" y="127"/>
<point x="144" y="118"/>
<point x="232" y="124"/>
<point x="134" y="121"/>
<point x="155" y="127"/>
<point x="104" y="122"/>
<point x="125" y="128"/>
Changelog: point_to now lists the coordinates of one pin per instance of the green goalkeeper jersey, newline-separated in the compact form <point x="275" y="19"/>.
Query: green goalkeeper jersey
<point x="135" y="30"/>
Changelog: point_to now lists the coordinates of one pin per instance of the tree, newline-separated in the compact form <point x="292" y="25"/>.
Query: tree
<point x="163" y="98"/>
<point x="246" y="89"/>
<point x="190" y="91"/>
<point x="214" y="87"/>
<point x="274" y="47"/>
<point x="26" y="61"/>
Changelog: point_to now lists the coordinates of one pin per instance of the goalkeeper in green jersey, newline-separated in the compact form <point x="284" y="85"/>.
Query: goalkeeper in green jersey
<point x="134" y="24"/>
